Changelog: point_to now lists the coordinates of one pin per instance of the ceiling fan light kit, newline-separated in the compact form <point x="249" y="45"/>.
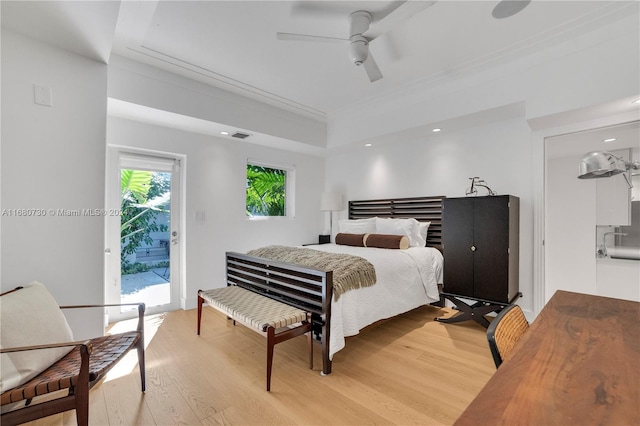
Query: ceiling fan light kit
<point x="359" y="46"/>
<point x="358" y="50"/>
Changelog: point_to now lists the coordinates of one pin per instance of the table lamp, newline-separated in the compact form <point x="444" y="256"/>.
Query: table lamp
<point x="330" y="201"/>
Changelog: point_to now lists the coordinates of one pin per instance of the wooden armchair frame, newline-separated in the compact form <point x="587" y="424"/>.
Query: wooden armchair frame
<point x="78" y="371"/>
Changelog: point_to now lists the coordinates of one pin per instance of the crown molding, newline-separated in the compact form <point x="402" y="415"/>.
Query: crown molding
<point x="211" y="77"/>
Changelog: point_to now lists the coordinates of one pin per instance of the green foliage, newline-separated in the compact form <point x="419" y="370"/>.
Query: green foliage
<point x="137" y="267"/>
<point x="144" y="194"/>
<point x="266" y="189"/>
<point x="160" y="185"/>
<point x="135" y="184"/>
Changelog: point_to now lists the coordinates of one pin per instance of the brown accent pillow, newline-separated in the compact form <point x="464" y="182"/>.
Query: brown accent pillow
<point x="356" y="240"/>
<point x="386" y="241"/>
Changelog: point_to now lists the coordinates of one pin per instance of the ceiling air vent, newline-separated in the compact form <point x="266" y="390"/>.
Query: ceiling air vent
<point x="240" y="135"/>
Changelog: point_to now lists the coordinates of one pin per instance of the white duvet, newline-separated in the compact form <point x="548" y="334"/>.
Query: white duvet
<point x="406" y="279"/>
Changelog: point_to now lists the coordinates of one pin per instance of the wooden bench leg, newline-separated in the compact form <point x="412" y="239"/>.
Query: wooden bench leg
<point x="326" y="362"/>
<point x="200" y="302"/>
<point x="273" y="339"/>
<point x="270" y="344"/>
<point x="310" y="343"/>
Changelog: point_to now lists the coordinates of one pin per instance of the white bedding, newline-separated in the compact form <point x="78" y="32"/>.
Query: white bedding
<point x="406" y="279"/>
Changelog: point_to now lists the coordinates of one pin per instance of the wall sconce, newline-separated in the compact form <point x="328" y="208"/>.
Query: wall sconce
<point x="599" y="164"/>
<point x="331" y="201"/>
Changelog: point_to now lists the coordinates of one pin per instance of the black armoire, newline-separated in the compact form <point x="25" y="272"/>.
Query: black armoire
<point x="481" y="243"/>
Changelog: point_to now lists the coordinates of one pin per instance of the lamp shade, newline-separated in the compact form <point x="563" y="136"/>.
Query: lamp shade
<point x="600" y="164"/>
<point x="331" y="201"/>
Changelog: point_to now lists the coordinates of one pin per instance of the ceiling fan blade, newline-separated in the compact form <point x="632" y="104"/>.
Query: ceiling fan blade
<point x="372" y="69"/>
<point x="307" y="37"/>
<point x="402" y="13"/>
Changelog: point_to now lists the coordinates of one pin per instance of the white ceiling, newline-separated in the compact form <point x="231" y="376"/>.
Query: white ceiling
<point x="609" y="138"/>
<point x="84" y="27"/>
<point x="232" y="44"/>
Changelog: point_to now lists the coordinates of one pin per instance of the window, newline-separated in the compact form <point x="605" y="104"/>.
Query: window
<point x="269" y="190"/>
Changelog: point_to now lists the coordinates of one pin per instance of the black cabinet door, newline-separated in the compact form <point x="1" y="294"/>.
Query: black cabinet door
<point x="476" y="237"/>
<point x="491" y="240"/>
<point x="457" y="238"/>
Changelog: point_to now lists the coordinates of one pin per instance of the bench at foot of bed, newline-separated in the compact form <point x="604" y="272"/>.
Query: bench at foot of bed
<point x="277" y="320"/>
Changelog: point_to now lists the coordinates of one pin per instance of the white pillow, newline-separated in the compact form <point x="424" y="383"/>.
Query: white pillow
<point x="358" y="226"/>
<point x="423" y="228"/>
<point x="406" y="227"/>
<point x="30" y="316"/>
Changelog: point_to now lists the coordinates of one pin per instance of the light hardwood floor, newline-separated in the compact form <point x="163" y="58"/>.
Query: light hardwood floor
<point x="406" y="370"/>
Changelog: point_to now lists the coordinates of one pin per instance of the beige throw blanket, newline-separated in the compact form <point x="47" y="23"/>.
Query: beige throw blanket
<point x="349" y="272"/>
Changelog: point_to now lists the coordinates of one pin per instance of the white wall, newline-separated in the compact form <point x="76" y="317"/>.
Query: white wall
<point x="570" y="229"/>
<point x="215" y="184"/>
<point x="441" y="164"/>
<point x="558" y="87"/>
<point x="53" y="158"/>
<point x="571" y="263"/>
<point x="141" y="84"/>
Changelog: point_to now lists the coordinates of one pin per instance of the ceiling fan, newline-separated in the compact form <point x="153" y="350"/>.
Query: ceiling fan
<point x="361" y="33"/>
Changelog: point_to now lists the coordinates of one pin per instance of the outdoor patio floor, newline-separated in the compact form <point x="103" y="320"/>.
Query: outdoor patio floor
<point x="151" y="287"/>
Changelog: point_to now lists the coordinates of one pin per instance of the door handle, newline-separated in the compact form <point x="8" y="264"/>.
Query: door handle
<point x="473" y="248"/>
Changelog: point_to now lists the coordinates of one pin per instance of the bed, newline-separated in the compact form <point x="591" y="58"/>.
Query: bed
<point x="406" y="279"/>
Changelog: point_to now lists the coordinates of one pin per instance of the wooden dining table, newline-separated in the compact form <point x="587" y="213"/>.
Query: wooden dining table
<point x="578" y="364"/>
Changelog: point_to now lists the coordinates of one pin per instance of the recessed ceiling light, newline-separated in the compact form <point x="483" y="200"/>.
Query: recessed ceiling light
<point x="609" y="140"/>
<point x="436" y="130"/>
<point x="224" y="133"/>
<point x="368" y="144"/>
<point x="637" y="101"/>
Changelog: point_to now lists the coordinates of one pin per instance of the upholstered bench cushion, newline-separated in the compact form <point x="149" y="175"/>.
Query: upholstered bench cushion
<point x="253" y="309"/>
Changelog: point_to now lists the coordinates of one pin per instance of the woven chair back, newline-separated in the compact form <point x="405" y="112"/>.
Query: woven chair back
<point x="505" y="331"/>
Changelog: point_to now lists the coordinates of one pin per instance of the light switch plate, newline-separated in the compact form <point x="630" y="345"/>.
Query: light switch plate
<point x="42" y="95"/>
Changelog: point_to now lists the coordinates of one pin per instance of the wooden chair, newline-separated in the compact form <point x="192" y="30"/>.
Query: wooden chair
<point x="78" y="371"/>
<point x="505" y="331"/>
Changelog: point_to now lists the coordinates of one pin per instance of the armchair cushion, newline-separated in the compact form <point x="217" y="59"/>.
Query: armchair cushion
<point x="29" y="317"/>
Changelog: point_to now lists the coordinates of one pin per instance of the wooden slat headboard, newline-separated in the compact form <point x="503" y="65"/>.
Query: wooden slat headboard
<point x="423" y="209"/>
